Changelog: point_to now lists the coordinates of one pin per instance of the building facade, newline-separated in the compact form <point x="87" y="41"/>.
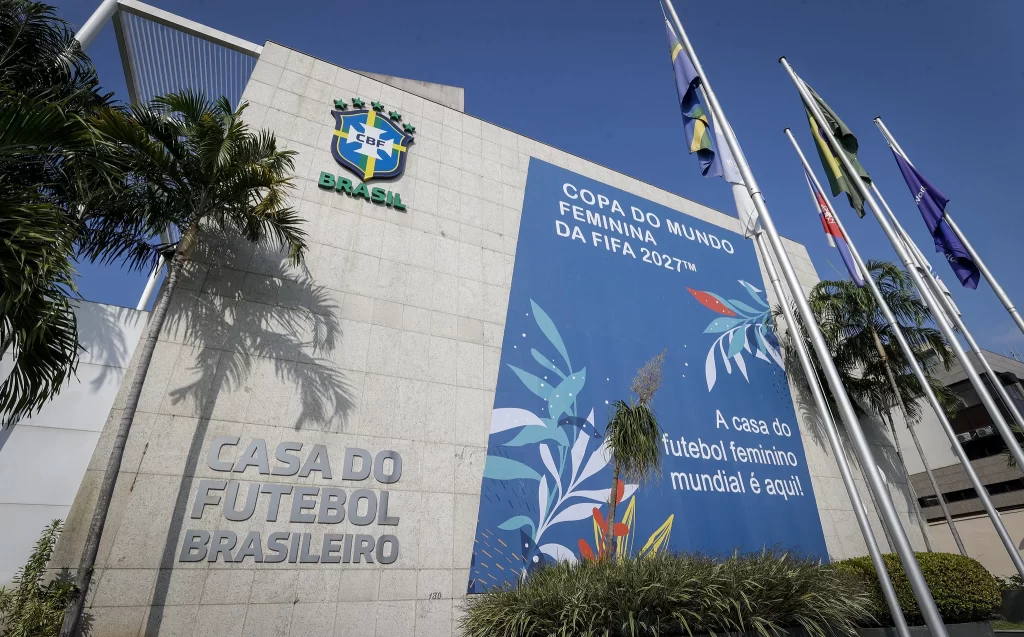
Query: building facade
<point x="987" y="451"/>
<point x="44" y="457"/>
<point x="369" y="372"/>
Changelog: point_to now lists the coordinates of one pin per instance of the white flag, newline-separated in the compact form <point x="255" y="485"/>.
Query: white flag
<point x="731" y="173"/>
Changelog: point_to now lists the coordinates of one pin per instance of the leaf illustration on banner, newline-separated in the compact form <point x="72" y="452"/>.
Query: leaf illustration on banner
<point x="500" y="468"/>
<point x="712" y="301"/>
<point x="518" y="522"/>
<point x="737" y="340"/>
<point x="549" y="462"/>
<point x="547" y="326"/>
<point x="754" y="293"/>
<point x="598" y="460"/>
<point x="540" y="358"/>
<point x="710" y="368"/>
<point x="530" y="435"/>
<point x="507" y="418"/>
<point x="574" y="513"/>
<point x="542" y="497"/>
<point x="762" y="332"/>
<point x="743" y="308"/>
<point x="659" y="539"/>
<point x="560" y="401"/>
<point x="720" y="324"/>
<point x="742" y="366"/>
<point x="558" y="552"/>
<point x="579" y="448"/>
<point x="540" y="387"/>
<point x="602" y="495"/>
<point x="733" y="341"/>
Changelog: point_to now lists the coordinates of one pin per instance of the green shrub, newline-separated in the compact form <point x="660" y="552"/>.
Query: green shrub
<point x="963" y="590"/>
<point x="35" y="606"/>
<point x="672" y="595"/>
<point x="1011" y="583"/>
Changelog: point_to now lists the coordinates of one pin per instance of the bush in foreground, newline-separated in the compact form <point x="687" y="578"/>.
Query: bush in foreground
<point x="671" y="595"/>
<point x="963" y="589"/>
<point x="35" y="605"/>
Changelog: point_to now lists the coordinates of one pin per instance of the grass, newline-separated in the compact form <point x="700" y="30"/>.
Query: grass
<point x="672" y="596"/>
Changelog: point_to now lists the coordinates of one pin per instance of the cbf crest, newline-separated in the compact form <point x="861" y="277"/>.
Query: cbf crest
<point x="369" y="142"/>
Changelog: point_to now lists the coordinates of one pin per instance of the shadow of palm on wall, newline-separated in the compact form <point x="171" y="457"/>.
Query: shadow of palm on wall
<point x="241" y="325"/>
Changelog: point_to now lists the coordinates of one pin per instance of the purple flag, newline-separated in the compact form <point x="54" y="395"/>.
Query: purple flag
<point x="932" y="204"/>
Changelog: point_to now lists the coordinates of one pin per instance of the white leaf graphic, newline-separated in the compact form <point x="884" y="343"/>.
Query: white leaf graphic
<point x="579" y="448"/>
<point x="509" y="418"/>
<point x="710" y="368"/>
<point x="542" y="497"/>
<point x="575" y="512"/>
<point x="549" y="462"/>
<point x="558" y="552"/>
<point x="598" y="460"/>
<point x="596" y="495"/>
<point x="741" y="365"/>
<point x="774" y="353"/>
<point x="602" y="495"/>
<point x="725" y="359"/>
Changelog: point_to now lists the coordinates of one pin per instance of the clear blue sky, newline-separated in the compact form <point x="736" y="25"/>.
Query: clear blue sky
<point x="593" y="78"/>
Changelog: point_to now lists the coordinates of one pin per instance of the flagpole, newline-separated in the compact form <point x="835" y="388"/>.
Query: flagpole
<point x="932" y="399"/>
<point x="998" y="289"/>
<point x="897" y="330"/>
<point x="925" y="600"/>
<point x="832" y="433"/>
<point x="957" y="321"/>
<point x="863" y="448"/>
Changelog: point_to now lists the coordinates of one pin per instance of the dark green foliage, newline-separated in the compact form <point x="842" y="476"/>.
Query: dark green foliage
<point x="1013" y="583"/>
<point x="47" y="89"/>
<point x="194" y="162"/>
<point x="634" y="437"/>
<point x="963" y="589"/>
<point x="34" y="607"/>
<point x="848" y="316"/>
<point x="666" y="595"/>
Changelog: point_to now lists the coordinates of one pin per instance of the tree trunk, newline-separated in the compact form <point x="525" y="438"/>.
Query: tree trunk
<point x="73" y="613"/>
<point x="613" y="500"/>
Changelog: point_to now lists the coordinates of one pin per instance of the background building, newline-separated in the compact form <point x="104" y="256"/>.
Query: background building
<point x="986" y="449"/>
<point x="43" y="458"/>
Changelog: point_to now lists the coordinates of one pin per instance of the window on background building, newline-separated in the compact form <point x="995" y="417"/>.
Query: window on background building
<point x="974" y="426"/>
<point x="1007" y="486"/>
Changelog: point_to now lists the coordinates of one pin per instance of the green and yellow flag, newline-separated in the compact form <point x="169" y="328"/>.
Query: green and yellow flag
<point x="837" y="177"/>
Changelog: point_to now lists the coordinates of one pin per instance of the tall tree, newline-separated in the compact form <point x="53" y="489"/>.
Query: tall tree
<point x="195" y="165"/>
<point x="633" y="438"/>
<point x="51" y="170"/>
<point x="874" y="369"/>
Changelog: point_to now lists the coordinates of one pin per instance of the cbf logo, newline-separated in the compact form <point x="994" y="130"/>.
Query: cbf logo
<point x="368" y="142"/>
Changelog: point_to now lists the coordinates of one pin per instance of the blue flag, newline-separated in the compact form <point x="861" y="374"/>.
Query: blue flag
<point x="932" y="204"/>
<point x="699" y="138"/>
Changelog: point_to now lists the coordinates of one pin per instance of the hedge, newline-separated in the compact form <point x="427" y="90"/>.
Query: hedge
<point x="673" y="595"/>
<point x="963" y="589"/>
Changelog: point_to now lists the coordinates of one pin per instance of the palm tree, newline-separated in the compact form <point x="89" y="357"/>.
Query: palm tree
<point x="633" y="436"/>
<point x="873" y="367"/>
<point x="50" y="170"/>
<point x="195" y="164"/>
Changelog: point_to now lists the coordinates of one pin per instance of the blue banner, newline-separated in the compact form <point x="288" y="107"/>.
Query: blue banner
<point x="604" y="281"/>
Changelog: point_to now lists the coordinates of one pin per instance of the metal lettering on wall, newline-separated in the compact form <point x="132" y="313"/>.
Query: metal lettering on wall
<point x="309" y="505"/>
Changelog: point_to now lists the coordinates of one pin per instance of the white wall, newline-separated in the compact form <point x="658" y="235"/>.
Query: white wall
<point x="43" y="458"/>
